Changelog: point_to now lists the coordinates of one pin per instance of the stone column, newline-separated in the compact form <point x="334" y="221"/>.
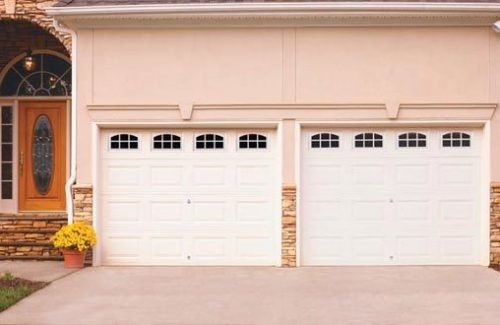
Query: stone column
<point x="495" y="223"/>
<point x="82" y="201"/>
<point x="289" y="226"/>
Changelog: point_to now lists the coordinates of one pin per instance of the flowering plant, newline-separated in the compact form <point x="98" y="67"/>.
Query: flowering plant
<point x="78" y="236"/>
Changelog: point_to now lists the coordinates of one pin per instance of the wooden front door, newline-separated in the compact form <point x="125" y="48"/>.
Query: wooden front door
<point x="42" y="155"/>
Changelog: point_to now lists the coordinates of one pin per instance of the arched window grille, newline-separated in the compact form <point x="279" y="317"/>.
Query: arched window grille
<point x="325" y="140"/>
<point x="252" y="141"/>
<point x="456" y="139"/>
<point x="167" y="141"/>
<point x="51" y="76"/>
<point x="412" y="140"/>
<point x="209" y="141"/>
<point x="124" y="141"/>
<point x="368" y="140"/>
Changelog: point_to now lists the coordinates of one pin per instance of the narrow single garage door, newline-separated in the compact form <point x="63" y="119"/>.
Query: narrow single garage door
<point x="178" y="197"/>
<point x="390" y="197"/>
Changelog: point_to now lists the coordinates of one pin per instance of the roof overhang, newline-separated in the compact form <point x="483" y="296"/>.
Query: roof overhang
<point x="280" y="14"/>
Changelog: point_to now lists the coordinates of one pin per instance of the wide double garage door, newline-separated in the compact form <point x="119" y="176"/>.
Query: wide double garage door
<point x="180" y="197"/>
<point x="400" y="196"/>
<point x="390" y="197"/>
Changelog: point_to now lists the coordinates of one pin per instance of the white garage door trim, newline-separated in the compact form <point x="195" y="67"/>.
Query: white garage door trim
<point x="266" y="127"/>
<point x="484" y="129"/>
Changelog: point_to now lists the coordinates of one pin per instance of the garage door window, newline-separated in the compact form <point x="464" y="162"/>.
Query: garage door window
<point x="456" y="139"/>
<point x="412" y="140"/>
<point x="167" y="141"/>
<point x="368" y="140"/>
<point x="209" y="141"/>
<point x="124" y="141"/>
<point x="325" y="140"/>
<point x="252" y="141"/>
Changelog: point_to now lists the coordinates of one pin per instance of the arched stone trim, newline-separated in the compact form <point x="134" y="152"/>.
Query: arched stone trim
<point x="34" y="11"/>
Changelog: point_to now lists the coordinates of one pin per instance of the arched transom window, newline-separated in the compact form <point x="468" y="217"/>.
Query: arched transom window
<point x="124" y="141"/>
<point x="209" y="141"/>
<point x="325" y="140"/>
<point x="368" y="140"/>
<point x="252" y="141"/>
<point x="50" y="75"/>
<point x="456" y="139"/>
<point x="412" y="140"/>
<point x="167" y="141"/>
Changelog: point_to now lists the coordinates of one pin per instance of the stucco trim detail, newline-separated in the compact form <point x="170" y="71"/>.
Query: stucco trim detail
<point x="352" y="111"/>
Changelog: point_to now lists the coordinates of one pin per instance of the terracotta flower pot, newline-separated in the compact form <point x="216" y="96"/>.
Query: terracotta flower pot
<point x="73" y="258"/>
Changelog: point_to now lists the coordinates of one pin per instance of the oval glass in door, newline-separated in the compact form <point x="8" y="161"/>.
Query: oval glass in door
<point x="42" y="154"/>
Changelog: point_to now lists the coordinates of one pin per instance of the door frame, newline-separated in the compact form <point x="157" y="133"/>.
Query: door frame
<point x="98" y="127"/>
<point x="483" y="125"/>
<point x="13" y="207"/>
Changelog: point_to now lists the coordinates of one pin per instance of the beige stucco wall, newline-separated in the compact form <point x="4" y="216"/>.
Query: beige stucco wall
<point x="274" y="66"/>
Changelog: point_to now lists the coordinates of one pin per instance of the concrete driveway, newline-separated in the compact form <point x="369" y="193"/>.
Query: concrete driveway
<point x="309" y="296"/>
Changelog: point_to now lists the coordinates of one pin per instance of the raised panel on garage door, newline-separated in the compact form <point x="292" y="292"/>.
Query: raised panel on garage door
<point x="409" y="200"/>
<point x="189" y="197"/>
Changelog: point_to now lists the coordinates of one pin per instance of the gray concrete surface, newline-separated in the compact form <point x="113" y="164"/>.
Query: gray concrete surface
<point x="309" y="296"/>
<point x="45" y="271"/>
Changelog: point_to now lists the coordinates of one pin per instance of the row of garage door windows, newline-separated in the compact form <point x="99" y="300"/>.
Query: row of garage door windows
<point x="319" y="140"/>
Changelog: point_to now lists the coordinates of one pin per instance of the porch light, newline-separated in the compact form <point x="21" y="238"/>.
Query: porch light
<point x="29" y="63"/>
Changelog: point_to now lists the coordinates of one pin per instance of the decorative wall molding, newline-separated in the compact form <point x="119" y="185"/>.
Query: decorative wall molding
<point x="274" y="20"/>
<point x="186" y="110"/>
<point x="361" y="111"/>
<point x="125" y="107"/>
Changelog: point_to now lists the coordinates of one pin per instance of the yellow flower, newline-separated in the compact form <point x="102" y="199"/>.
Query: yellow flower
<point x="78" y="235"/>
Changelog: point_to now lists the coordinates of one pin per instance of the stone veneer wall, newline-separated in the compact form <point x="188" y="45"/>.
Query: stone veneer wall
<point x="26" y="236"/>
<point x="495" y="223"/>
<point x="289" y="226"/>
<point x="83" y="209"/>
<point x="82" y="200"/>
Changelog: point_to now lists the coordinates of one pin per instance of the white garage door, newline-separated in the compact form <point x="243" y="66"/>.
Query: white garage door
<point x="181" y="197"/>
<point x="390" y="197"/>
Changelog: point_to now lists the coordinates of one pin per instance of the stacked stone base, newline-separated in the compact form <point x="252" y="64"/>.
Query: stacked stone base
<point x="289" y="226"/>
<point x="495" y="224"/>
<point x="27" y="236"/>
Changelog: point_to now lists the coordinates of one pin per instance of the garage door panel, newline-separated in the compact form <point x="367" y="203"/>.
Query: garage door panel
<point x="456" y="174"/>
<point x="189" y="207"/>
<point x="324" y="174"/>
<point x="369" y="247"/>
<point x="419" y="247"/>
<point x="167" y="176"/>
<point x="163" y="211"/>
<point x="368" y="175"/>
<point x="123" y="211"/>
<point x="326" y="247"/>
<point x="412" y="174"/>
<point x="369" y="210"/>
<point x="454" y="210"/>
<point x="251" y="247"/>
<point x="166" y="247"/>
<point x="210" y="175"/>
<point x="122" y="176"/>
<point x="122" y="246"/>
<point x="324" y="210"/>
<point x="253" y="211"/>
<point x="457" y="247"/>
<point x="390" y="206"/>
